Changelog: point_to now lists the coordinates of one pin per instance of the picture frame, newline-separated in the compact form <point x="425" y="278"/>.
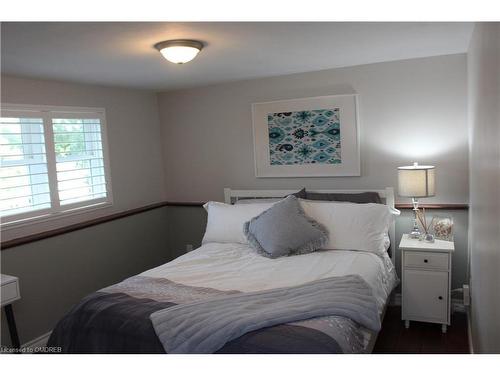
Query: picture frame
<point x="308" y="137"/>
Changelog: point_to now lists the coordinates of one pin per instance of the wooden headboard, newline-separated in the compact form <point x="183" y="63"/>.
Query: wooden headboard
<point x="386" y="195"/>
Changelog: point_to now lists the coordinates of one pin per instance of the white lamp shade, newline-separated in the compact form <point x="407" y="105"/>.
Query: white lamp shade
<point x="417" y="181"/>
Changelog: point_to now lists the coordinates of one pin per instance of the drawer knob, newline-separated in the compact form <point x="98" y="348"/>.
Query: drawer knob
<point x="440" y="297"/>
<point x="425" y="260"/>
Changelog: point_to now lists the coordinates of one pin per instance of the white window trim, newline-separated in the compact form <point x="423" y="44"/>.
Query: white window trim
<point x="73" y="209"/>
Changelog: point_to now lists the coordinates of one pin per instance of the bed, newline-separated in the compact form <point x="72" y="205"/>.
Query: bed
<point x="119" y="318"/>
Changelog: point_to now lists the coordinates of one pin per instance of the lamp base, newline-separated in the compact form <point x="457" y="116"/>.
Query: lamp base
<point x="415" y="233"/>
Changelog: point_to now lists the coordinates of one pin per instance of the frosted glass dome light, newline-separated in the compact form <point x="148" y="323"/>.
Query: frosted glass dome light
<point x="179" y="51"/>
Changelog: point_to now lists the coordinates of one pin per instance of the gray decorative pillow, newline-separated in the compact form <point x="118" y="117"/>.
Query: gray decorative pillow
<point x="284" y="229"/>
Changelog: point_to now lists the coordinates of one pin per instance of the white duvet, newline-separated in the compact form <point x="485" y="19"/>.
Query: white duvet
<point x="234" y="266"/>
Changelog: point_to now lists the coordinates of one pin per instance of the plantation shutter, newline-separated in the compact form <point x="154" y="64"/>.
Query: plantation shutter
<point x="24" y="182"/>
<point x="79" y="160"/>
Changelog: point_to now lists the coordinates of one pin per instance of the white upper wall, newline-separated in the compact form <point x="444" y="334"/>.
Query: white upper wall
<point x="411" y="110"/>
<point x="133" y="137"/>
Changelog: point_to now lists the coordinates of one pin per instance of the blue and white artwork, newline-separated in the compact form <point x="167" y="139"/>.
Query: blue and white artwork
<point x="304" y="137"/>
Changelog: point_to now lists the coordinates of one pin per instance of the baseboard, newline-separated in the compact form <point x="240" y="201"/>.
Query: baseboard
<point x="39" y="342"/>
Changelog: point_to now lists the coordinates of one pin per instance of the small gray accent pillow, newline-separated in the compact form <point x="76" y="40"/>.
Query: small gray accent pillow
<point x="284" y="229"/>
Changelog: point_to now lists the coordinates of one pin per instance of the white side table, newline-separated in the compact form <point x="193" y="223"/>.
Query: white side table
<point x="426" y="281"/>
<point x="9" y="294"/>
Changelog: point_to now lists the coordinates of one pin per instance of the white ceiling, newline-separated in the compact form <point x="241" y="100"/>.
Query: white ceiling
<point x="122" y="54"/>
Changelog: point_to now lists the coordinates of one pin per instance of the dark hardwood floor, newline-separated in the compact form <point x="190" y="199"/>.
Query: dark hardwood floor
<point x="421" y="338"/>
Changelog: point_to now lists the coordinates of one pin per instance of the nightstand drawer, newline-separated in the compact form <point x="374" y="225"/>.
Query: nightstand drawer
<point x="10" y="293"/>
<point x="435" y="261"/>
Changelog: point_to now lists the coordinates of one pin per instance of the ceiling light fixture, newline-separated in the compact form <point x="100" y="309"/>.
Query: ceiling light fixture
<point x="179" y="51"/>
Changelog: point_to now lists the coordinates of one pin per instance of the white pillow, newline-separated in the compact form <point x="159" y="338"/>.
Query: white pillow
<point x="225" y="221"/>
<point x="352" y="226"/>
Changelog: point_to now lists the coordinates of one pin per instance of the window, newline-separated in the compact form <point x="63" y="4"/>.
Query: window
<point x="53" y="161"/>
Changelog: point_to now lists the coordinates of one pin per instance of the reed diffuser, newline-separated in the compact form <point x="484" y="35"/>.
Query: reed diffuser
<point x="427" y="236"/>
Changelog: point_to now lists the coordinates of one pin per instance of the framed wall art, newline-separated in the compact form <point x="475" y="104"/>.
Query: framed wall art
<point x="310" y="137"/>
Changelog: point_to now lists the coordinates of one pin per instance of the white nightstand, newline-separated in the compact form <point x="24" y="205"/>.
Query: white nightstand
<point x="426" y="280"/>
<point x="10" y="293"/>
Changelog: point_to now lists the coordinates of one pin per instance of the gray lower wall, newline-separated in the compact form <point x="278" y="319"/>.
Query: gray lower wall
<point x="186" y="227"/>
<point x="57" y="272"/>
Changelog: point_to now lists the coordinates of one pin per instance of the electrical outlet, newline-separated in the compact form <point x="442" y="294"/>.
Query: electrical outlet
<point x="189" y="247"/>
<point x="466" y="292"/>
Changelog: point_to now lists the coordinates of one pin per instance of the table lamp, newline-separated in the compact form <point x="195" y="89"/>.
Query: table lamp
<point x="416" y="181"/>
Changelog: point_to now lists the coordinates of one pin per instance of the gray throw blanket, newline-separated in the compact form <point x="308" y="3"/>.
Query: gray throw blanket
<point x="206" y="326"/>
